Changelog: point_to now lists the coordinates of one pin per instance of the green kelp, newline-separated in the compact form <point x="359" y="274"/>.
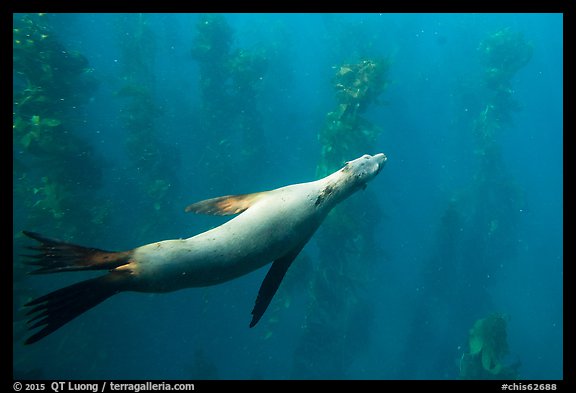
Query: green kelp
<point x="503" y="53"/>
<point x="488" y="346"/>
<point x="498" y="203"/>
<point x="477" y="234"/>
<point x="56" y="166"/>
<point x="247" y="69"/>
<point x="346" y="132"/>
<point x="52" y="81"/>
<point x="214" y="39"/>
<point x="229" y="116"/>
<point x="339" y="317"/>
<point x="152" y="159"/>
<point x="56" y="172"/>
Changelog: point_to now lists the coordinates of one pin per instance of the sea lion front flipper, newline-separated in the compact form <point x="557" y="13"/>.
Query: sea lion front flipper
<point x="271" y="283"/>
<point x="225" y="205"/>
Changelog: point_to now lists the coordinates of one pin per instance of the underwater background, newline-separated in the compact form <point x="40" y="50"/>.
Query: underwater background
<point x="448" y="266"/>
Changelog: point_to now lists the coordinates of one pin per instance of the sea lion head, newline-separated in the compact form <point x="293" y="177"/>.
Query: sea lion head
<point x="352" y="177"/>
<point x="361" y="170"/>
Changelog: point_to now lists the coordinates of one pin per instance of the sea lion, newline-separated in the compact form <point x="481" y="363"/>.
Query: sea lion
<point x="272" y="226"/>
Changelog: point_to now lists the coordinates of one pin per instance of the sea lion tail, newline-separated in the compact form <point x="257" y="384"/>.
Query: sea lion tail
<point x="57" y="308"/>
<point x="54" y="310"/>
<point x="56" y="256"/>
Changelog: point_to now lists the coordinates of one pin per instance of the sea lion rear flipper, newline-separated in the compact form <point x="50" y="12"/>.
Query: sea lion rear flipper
<point x="52" y="311"/>
<point x="225" y="205"/>
<point x="271" y="283"/>
<point x="55" y="256"/>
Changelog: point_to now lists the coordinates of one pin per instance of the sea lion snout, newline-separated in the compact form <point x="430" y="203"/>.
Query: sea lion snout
<point x="380" y="159"/>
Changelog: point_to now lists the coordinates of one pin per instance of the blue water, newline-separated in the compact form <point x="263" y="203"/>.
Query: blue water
<point x="421" y="308"/>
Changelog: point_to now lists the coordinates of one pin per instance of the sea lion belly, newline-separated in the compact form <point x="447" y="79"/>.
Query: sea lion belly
<point x="283" y="220"/>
